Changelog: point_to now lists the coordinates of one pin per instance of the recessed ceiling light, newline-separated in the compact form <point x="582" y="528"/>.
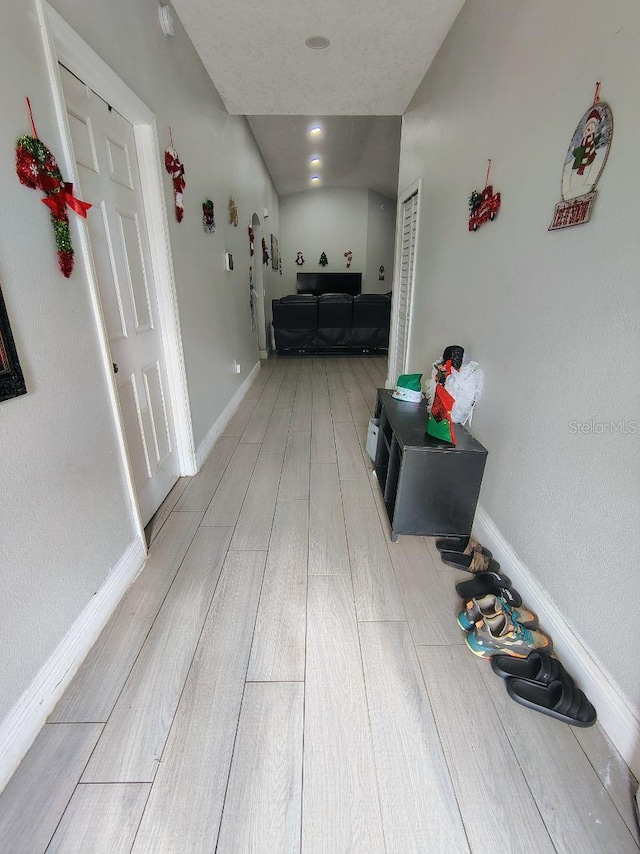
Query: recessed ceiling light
<point x="315" y="179"/>
<point x="317" y="42"/>
<point x="315" y="131"/>
<point x="314" y="161"/>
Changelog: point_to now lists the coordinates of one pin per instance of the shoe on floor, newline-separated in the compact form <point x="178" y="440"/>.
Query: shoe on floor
<point x="462" y="545"/>
<point x="493" y="635"/>
<point x="491" y="605"/>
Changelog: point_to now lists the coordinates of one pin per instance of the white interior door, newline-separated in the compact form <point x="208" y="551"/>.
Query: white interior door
<point x="405" y="261"/>
<point x="107" y="166"/>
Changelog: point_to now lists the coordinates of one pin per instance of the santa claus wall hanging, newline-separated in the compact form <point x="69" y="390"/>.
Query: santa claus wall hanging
<point x="175" y="168"/>
<point x="583" y="165"/>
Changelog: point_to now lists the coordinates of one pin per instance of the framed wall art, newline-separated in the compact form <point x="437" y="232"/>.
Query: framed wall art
<point x="275" y="253"/>
<point x="11" y="379"/>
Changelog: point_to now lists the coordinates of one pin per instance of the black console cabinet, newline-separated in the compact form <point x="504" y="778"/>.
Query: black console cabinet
<point x="430" y="488"/>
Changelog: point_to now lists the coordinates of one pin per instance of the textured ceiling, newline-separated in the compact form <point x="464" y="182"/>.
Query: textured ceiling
<point x="256" y="56"/>
<point x="355" y="151"/>
<point x="380" y="50"/>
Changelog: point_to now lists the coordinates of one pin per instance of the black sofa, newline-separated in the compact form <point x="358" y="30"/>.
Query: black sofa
<point x="308" y="323"/>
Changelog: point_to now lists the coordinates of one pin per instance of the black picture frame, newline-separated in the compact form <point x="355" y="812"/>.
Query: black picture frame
<point x="11" y="379"/>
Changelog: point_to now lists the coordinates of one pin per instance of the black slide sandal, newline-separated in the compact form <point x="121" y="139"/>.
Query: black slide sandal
<point x="475" y="562"/>
<point x="538" y="667"/>
<point x="560" y="700"/>
<point x="489" y="582"/>
<point x="458" y="545"/>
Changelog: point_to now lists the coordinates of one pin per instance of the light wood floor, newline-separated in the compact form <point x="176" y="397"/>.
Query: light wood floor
<point x="281" y="677"/>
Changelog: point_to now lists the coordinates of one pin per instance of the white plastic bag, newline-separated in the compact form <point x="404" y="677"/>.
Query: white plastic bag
<point x="465" y="386"/>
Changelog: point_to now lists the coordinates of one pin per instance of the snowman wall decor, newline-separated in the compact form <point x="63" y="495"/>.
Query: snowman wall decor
<point x="583" y="165"/>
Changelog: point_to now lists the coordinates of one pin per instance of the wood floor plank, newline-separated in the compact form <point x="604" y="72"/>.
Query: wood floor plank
<point x="419" y="809"/>
<point x="162" y="513"/>
<point x="351" y="463"/>
<point x="339" y="405"/>
<point x="320" y="390"/>
<point x="294" y="482"/>
<point x="286" y="394"/>
<point x="376" y="589"/>
<point x="328" y="552"/>
<point x="185" y="806"/>
<point x="275" y="439"/>
<point x="114" y="811"/>
<point x="278" y="651"/>
<point x="575" y="807"/>
<point x="241" y="416"/>
<point x="426" y="601"/>
<point x="301" y="413"/>
<point x="340" y="808"/>
<point x="36" y="796"/>
<point x="258" y="423"/>
<point x="614" y="775"/>
<point x="478" y="753"/>
<point x="272" y="386"/>
<point x="254" y="523"/>
<point x="349" y="381"/>
<point x="292" y="369"/>
<point x="262" y="809"/>
<point x="95" y="688"/>
<point x="198" y="493"/>
<point x="226" y="504"/>
<point x="323" y="443"/>
<point x="131" y="744"/>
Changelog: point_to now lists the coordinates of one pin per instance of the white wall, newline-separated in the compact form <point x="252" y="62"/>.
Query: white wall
<point x="330" y="221"/>
<point x="333" y="221"/>
<point x="65" y="521"/>
<point x="381" y="230"/>
<point x="553" y="318"/>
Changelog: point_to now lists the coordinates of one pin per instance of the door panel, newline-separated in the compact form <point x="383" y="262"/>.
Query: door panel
<point x="105" y="152"/>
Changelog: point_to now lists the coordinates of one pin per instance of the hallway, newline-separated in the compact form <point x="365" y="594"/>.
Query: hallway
<point x="281" y="677"/>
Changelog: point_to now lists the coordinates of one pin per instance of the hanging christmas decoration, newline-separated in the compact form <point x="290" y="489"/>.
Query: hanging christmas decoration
<point x="36" y="168"/>
<point x="175" y="168"/>
<point x="583" y="165"/>
<point x="323" y="260"/>
<point x="252" y="242"/>
<point x="299" y="259"/>
<point x="253" y="301"/>
<point x="381" y="273"/>
<point x="233" y="212"/>
<point x="483" y="206"/>
<point x="208" y="217"/>
<point x="349" y="256"/>
<point x="280" y="264"/>
<point x="265" y="252"/>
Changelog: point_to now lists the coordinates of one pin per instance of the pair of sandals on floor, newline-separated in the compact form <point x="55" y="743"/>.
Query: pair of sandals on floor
<point x="539" y="682"/>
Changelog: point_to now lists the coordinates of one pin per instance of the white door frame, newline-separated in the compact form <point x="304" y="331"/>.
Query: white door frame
<point x="392" y="368"/>
<point x="63" y="44"/>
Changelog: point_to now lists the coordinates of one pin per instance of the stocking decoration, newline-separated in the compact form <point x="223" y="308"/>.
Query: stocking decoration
<point x="175" y="168"/>
<point x="233" y="212"/>
<point x="349" y="256"/>
<point x="252" y="242"/>
<point x="299" y="259"/>
<point x="323" y="260"/>
<point x="36" y="168"/>
<point x="208" y="217"/>
<point x="265" y="252"/>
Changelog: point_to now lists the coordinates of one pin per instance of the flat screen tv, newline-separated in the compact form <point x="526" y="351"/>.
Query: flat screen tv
<point x="329" y="283"/>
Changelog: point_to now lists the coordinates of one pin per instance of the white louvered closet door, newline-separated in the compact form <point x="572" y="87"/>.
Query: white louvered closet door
<point x="405" y="290"/>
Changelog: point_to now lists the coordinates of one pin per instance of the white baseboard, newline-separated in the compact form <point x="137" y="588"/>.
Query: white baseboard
<point x="218" y="426"/>
<point x="25" y="720"/>
<point x="617" y="717"/>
